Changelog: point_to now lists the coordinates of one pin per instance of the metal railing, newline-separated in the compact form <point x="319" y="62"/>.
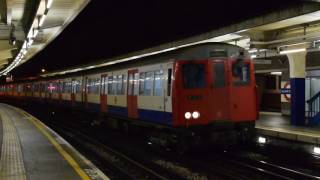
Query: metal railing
<point x="314" y="105"/>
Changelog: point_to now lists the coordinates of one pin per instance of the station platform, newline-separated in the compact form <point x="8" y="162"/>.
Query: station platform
<point x="31" y="150"/>
<point x="275" y="125"/>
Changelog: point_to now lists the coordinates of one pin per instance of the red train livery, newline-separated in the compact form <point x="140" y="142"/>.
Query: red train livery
<point x="204" y="92"/>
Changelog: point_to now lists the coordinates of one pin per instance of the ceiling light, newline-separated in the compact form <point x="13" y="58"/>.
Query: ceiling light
<point x="48" y="4"/>
<point x="35" y="32"/>
<point x="253" y="56"/>
<point x="276" y="73"/>
<point x="42" y="18"/>
<point x="253" y="50"/>
<point x="292" y="51"/>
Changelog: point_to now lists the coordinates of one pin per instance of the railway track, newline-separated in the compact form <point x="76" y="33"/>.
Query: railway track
<point x="270" y="170"/>
<point x="123" y="166"/>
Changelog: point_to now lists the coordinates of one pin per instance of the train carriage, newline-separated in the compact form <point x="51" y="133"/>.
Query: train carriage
<point x="203" y="90"/>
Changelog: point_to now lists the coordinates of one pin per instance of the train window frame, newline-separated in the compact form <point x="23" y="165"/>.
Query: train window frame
<point x="157" y="90"/>
<point x="196" y="83"/>
<point x="120" y="85"/>
<point x="236" y="77"/>
<point x="136" y="84"/>
<point x="141" y="82"/>
<point x="110" y="81"/>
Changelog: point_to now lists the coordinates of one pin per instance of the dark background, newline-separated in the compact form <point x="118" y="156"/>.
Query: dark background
<point x="107" y="28"/>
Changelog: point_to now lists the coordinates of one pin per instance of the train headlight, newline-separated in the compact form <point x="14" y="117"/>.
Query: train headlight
<point x="195" y="114"/>
<point x="316" y="150"/>
<point x="262" y="140"/>
<point x="187" y="115"/>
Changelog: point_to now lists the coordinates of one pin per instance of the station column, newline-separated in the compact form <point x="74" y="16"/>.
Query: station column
<point x="297" y="66"/>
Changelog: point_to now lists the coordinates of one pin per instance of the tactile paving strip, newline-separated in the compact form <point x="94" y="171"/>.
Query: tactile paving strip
<point x="11" y="162"/>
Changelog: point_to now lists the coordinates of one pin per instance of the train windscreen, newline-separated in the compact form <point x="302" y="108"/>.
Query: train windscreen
<point x="240" y="74"/>
<point x="193" y="76"/>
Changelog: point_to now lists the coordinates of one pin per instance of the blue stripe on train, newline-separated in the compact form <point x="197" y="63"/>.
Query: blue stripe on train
<point x="145" y="115"/>
<point x="158" y="117"/>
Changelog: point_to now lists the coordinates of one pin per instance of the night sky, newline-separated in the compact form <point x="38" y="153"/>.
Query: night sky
<point x="107" y="28"/>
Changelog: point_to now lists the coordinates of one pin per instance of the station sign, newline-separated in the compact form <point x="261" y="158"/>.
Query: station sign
<point x="285" y="91"/>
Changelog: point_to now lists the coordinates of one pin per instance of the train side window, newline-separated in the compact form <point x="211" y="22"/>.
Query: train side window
<point x="219" y="75"/>
<point x="157" y="83"/>
<point x="240" y="74"/>
<point x="148" y="84"/>
<point x="120" y="85"/>
<point x="97" y="86"/>
<point x="136" y="84"/>
<point x="110" y="81"/>
<point x="169" y="82"/>
<point x="114" y="85"/>
<point x="141" y="83"/>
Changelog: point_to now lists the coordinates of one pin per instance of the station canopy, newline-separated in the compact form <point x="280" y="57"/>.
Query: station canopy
<point x="295" y="28"/>
<point x="27" y="26"/>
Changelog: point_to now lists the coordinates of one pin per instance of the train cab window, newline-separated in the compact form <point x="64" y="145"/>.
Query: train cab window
<point x="240" y="74"/>
<point x="218" y="75"/>
<point x="193" y="76"/>
<point x="158" y="83"/>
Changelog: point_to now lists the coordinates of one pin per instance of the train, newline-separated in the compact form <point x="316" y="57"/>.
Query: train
<point x="187" y="96"/>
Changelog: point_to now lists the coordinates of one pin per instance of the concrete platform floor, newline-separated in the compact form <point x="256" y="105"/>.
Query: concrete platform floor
<point x="276" y="125"/>
<point x="30" y="150"/>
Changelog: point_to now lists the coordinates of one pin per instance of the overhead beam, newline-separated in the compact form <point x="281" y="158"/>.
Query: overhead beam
<point x="9" y="12"/>
<point x="3" y="10"/>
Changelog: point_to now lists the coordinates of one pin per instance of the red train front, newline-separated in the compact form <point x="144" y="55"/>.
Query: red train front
<point x="216" y="97"/>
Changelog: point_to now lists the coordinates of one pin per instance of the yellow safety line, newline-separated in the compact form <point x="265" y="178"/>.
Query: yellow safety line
<point x="64" y="154"/>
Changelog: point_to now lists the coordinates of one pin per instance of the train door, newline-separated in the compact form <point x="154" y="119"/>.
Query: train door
<point x="132" y="93"/>
<point x="103" y="92"/>
<point x="73" y="91"/>
<point x="219" y="91"/>
<point x="167" y="93"/>
<point x="59" y="90"/>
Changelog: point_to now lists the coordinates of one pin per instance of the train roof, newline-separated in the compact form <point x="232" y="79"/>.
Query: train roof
<point x="209" y="50"/>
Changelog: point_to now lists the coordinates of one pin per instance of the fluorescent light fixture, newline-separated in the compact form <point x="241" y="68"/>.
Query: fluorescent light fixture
<point x="292" y="51"/>
<point x="316" y="150"/>
<point x="253" y="56"/>
<point x="253" y="50"/>
<point x="35" y="32"/>
<point x="48" y="4"/>
<point x="276" y="73"/>
<point x="42" y="18"/>
<point x="262" y="140"/>
<point x="24" y="46"/>
<point x="30" y="42"/>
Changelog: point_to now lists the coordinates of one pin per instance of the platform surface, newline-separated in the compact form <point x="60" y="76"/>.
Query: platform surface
<point x="276" y="125"/>
<point x="30" y="150"/>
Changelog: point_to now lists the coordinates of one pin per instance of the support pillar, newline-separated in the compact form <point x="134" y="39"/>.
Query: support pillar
<point x="297" y="66"/>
